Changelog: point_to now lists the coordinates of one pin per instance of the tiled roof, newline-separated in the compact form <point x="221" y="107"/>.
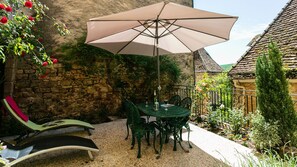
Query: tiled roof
<point x="204" y="63"/>
<point x="283" y="31"/>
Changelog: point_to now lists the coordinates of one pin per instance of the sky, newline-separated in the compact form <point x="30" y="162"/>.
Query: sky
<point x="254" y="16"/>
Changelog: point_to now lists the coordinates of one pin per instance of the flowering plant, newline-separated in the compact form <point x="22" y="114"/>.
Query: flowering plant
<point x="19" y="35"/>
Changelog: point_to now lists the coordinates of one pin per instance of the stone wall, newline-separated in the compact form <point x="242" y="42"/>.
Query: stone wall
<point x="71" y="94"/>
<point x="64" y="93"/>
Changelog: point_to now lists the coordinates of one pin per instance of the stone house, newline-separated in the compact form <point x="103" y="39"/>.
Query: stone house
<point x="68" y="94"/>
<point x="205" y="64"/>
<point x="283" y="31"/>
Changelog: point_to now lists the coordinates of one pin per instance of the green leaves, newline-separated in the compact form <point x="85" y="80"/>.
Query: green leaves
<point x="2" y="55"/>
<point x="20" y="37"/>
<point x="274" y="101"/>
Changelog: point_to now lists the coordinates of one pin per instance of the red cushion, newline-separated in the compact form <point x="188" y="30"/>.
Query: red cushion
<point x="16" y="109"/>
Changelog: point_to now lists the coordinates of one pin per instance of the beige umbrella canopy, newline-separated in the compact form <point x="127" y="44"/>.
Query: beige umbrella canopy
<point x="159" y="29"/>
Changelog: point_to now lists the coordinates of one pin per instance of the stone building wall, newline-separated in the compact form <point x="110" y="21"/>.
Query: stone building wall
<point x="70" y="94"/>
<point x="245" y="97"/>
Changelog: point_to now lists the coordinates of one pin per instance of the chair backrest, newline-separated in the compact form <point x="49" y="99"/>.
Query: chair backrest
<point x="175" y="100"/>
<point x="186" y="103"/>
<point x="127" y="108"/>
<point x="133" y="116"/>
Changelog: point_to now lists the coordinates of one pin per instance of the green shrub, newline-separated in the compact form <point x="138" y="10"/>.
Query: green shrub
<point x="264" y="134"/>
<point x="274" y="101"/>
<point x="293" y="141"/>
<point x="213" y="118"/>
<point x="236" y="120"/>
<point x="270" y="158"/>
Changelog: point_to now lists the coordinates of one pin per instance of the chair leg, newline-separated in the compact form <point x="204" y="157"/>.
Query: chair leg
<point x="154" y="144"/>
<point x="189" y="130"/>
<point x="162" y="137"/>
<point x="127" y="131"/>
<point x="148" y="138"/>
<point x="181" y="136"/>
<point x="139" y="146"/>
<point x="133" y="141"/>
<point x="179" y="142"/>
<point x="174" y="138"/>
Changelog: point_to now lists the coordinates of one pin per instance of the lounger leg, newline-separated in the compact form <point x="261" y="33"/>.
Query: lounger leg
<point x="88" y="130"/>
<point x="91" y="155"/>
<point x="22" y="136"/>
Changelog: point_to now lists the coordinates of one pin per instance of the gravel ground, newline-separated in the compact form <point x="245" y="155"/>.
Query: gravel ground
<point x="114" y="151"/>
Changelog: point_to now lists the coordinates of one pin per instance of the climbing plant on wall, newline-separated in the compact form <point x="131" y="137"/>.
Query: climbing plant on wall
<point x="19" y="34"/>
<point x="127" y="71"/>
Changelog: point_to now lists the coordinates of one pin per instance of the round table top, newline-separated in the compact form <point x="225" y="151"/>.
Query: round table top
<point x="171" y="112"/>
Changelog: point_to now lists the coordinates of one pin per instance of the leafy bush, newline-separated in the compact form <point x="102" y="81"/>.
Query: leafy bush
<point x="274" y="101"/>
<point x="213" y="118"/>
<point x="236" y="120"/>
<point x="270" y="158"/>
<point x="264" y="134"/>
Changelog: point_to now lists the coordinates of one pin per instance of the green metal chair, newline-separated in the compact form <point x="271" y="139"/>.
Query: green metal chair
<point x="176" y="99"/>
<point x="186" y="103"/>
<point x="128" y="112"/>
<point x="183" y="122"/>
<point x="139" y="128"/>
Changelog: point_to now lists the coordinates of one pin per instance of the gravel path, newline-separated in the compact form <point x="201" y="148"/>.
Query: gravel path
<point x="116" y="152"/>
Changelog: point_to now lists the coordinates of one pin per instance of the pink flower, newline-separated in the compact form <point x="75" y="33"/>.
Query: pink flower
<point x="28" y="4"/>
<point x="43" y="76"/>
<point x="23" y="54"/>
<point x="8" y="9"/>
<point x="40" y="39"/>
<point x="55" y="61"/>
<point x="44" y="63"/>
<point x="199" y="89"/>
<point x="31" y="18"/>
<point x="2" y="6"/>
<point x="4" y="20"/>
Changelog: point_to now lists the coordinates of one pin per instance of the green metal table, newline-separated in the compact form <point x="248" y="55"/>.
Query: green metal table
<point x="171" y="112"/>
<point x="162" y="113"/>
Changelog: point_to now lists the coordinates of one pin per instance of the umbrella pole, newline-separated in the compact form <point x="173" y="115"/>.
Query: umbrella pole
<point x="158" y="63"/>
<point x="158" y="59"/>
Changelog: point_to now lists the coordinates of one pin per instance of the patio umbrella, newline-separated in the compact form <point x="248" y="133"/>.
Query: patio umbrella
<point x="159" y="29"/>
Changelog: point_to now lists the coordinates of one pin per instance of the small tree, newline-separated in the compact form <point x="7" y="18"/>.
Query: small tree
<point x="274" y="101"/>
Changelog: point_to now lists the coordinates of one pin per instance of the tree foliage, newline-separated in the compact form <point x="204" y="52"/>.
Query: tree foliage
<point x="274" y="101"/>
